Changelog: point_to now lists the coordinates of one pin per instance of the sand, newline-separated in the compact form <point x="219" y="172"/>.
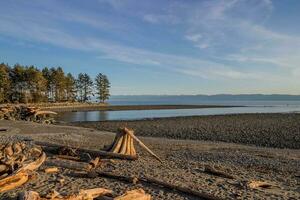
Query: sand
<point x="184" y="162"/>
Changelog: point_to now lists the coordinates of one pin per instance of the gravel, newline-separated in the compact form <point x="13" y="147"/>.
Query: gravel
<point x="266" y="130"/>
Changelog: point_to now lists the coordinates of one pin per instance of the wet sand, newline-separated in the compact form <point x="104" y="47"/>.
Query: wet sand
<point x="184" y="161"/>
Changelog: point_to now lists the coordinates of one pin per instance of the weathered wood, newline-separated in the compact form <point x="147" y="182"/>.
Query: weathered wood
<point x="158" y="182"/>
<point x="73" y="165"/>
<point x="89" y="194"/>
<point x="259" y="184"/>
<point x="138" y="194"/>
<point x="94" y="153"/>
<point x="35" y="164"/>
<point x="130" y="132"/>
<point x="211" y="170"/>
<point x="51" y="170"/>
<point x="13" y="181"/>
<point x="186" y="190"/>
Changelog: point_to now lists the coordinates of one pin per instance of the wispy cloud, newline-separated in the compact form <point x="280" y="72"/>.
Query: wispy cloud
<point x="230" y="35"/>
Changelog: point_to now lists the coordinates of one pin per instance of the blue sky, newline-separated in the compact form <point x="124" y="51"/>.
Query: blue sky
<point x="160" y="46"/>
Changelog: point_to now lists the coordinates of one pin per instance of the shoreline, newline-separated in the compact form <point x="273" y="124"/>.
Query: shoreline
<point x="77" y="107"/>
<point x="97" y="107"/>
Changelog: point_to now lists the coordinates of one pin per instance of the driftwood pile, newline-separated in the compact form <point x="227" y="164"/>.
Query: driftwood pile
<point x="17" y="161"/>
<point x="138" y="194"/>
<point x="26" y="113"/>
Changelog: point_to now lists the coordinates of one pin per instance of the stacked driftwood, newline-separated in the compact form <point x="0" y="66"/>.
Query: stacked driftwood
<point x="26" y="113"/>
<point x="17" y="161"/>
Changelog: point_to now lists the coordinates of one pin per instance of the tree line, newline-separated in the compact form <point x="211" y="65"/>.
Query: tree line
<point x="28" y="84"/>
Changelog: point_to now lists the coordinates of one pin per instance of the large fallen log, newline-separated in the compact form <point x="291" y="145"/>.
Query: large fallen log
<point x="158" y="182"/>
<point x="95" y="153"/>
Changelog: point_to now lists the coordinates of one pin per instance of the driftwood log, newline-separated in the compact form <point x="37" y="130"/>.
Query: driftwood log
<point x="138" y="194"/>
<point x="212" y="170"/>
<point x="95" y="153"/>
<point x="158" y="182"/>
<point x="82" y="195"/>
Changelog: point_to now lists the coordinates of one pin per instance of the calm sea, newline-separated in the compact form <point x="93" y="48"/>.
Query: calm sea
<point x="254" y="106"/>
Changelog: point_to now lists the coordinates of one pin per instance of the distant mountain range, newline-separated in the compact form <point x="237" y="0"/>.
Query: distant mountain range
<point x="218" y="97"/>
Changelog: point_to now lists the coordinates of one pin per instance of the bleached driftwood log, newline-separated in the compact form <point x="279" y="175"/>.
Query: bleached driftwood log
<point x="95" y="153"/>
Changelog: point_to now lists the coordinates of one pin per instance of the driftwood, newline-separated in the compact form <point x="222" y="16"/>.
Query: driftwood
<point x="211" y="170"/>
<point x="13" y="181"/>
<point x="21" y="112"/>
<point x="138" y="194"/>
<point x="123" y="144"/>
<point x="158" y="182"/>
<point x="82" y="195"/>
<point x="95" y="153"/>
<point x="16" y="164"/>
<point x="51" y="170"/>
<point x="259" y="184"/>
<point x="73" y="165"/>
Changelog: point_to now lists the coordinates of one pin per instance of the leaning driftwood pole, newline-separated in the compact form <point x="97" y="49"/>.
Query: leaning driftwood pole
<point x="130" y="132"/>
<point x="94" y="153"/>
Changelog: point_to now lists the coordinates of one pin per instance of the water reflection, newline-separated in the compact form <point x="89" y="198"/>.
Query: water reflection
<point x="141" y="114"/>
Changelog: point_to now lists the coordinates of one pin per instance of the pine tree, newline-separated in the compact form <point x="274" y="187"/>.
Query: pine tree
<point x="4" y="83"/>
<point x="84" y="87"/>
<point x="70" y="88"/>
<point x="102" y="87"/>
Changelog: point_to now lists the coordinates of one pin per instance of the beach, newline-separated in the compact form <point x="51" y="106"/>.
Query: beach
<point x="279" y="130"/>
<point x="184" y="156"/>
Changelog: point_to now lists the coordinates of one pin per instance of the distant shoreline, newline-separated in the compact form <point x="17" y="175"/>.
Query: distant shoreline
<point x="101" y="107"/>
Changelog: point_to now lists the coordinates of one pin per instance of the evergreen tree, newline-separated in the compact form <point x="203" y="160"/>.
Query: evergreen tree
<point x="102" y="87"/>
<point x="84" y="87"/>
<point x="70" y="84"/>
<point x="4" y="83"/>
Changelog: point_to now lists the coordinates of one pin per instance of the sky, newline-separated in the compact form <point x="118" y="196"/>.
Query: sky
<point x="160" y="46"/>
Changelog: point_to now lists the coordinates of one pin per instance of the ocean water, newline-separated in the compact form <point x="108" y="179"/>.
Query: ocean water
<point x="253" y="106"/>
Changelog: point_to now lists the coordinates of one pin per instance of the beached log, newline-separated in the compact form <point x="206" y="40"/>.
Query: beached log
<point x="73" y="165"/>
<point x="211" y="170"/>
<point x="138" y="194"/>
<point x="51" y="170"/>
<point x="259" y="184"/>
<point x="37" y="113"/>
<point x="13" y="181"/>
<point x="158" y="182"/>
<point x="95" y="153"/>
<point x="89" y="194"/>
